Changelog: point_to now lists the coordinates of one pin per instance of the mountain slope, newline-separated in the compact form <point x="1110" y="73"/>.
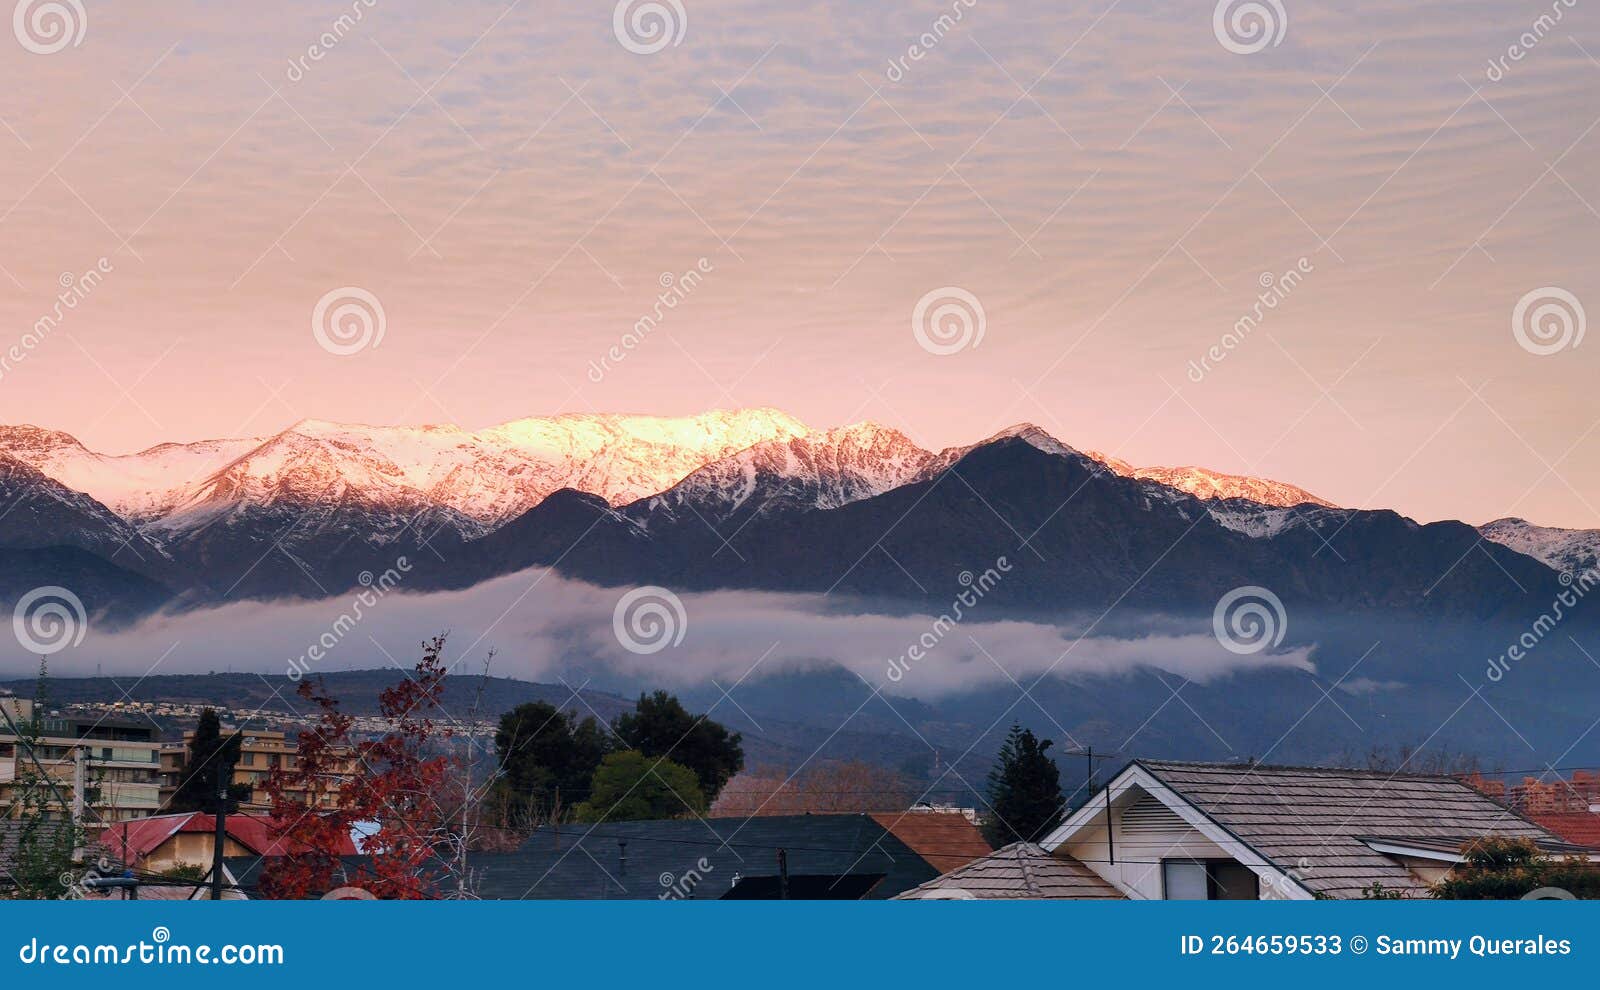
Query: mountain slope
<point x="1569" y="550"/>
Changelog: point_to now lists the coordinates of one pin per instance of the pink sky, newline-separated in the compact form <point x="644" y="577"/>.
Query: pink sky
<point x="511" y="183"/>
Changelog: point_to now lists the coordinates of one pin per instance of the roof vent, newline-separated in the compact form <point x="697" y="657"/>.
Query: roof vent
<point x="1150" y="815"/>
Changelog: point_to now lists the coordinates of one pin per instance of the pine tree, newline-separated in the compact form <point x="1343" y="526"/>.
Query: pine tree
<point x="1025" y="799"/>
<point x="210" y="759"/>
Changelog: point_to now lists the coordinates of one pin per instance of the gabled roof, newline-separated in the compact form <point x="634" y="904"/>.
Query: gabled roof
<point x="1319" y="825"/>
<point x="700" y="858"/>
<point x="1020" y="871"/>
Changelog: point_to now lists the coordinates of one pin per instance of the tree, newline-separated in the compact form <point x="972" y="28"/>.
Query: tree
<point x="397" y="780"/>
<point x="659" y="726"/>
<point x="210" y="759"/>
<point x="1025" y="799"/>
<point x="630" y="786"/>
<point x="547" y="756"/>
<point x="44" y="858"/>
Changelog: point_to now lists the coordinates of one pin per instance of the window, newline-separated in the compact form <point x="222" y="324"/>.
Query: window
<point x="1208" y="880"/>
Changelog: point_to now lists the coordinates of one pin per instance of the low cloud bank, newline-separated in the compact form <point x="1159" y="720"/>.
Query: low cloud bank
<point x="544" y="626"/>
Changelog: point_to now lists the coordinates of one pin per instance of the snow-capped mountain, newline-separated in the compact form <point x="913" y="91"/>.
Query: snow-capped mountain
<point x="485" y="477"/>
<point x="1214" y="485"/>
<point x="1569" y="550"/>
<point x="820" y="470"/>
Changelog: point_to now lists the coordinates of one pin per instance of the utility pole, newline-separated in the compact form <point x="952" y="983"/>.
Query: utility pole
<point x="783" y="874"/>
<point x="224" y="778"/>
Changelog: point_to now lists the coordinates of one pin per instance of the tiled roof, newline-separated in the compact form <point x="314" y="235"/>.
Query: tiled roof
<point x="1580" y="827"/>
<point x="945" y="839"/>
<point x="1021" y="871"/>
<point x="1315" y="823"/>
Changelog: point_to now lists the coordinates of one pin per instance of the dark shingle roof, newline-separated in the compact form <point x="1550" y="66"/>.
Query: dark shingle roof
<point x="1021" y="871"/>
<point x="699" y="859"/>
<point x="1315" y="822"/>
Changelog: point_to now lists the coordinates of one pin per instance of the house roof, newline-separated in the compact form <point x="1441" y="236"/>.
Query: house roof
<point x="946" y="840"/>
<point x="700" y="858"/>
<point x="1580" y="827"/>
<point x="1317" y="824"/>
<point x="13" y="830"/>
<point x="1020" y="871"/>
<point x="143" y="836"/>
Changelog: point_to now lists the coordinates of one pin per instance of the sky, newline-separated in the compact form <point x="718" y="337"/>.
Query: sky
<point x="1115" y="184"/>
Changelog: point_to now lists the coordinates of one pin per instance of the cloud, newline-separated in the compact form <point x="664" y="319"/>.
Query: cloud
<point x="544" y="626"/>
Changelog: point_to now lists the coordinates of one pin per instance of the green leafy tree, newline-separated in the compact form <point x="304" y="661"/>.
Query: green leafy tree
<point x="210" y="760"/>
<point x="630" y="786"/>
<point x="547" y="758"/>
<point x="1025" y="799"/>
<point x="659" y="726"/>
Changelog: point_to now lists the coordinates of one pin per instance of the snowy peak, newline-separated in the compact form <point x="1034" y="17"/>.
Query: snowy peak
<point x="820" y="470"/>
<point x="1215" y="485"/>
<point x="1570" y="550"/>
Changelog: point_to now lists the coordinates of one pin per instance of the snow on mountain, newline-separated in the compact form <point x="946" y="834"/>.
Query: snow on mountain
<point x="1569" y="550"/>
<point x="820" y="470"/>
<point x="482" y="477"/>
<point x="138" y="487"/>
<point x="1214" y="485"/>
<point x="37" y="511"/>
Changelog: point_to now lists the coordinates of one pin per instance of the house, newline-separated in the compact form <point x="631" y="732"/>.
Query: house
<point x="166" y="842"/>
<point x="1182" y="831"/>
<point x="1020" y="871"/>
<point x="1579" y="827"/>
<point x="104" y="768"/>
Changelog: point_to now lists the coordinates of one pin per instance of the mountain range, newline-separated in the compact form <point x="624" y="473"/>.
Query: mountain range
<point x="729" y="499"/>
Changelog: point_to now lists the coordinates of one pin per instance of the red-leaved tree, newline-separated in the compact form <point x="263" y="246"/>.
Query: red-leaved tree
<point x="400" y="782"/>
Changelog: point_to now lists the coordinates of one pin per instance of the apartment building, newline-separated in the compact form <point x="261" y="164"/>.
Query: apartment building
<point x="105" y="769"/>
<point x="260" y="752"/>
